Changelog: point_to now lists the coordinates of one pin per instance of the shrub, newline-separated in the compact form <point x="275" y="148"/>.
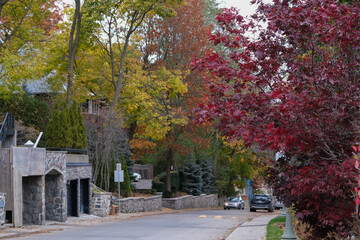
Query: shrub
<point x="158" y="186"/>
<point x="159" y="182"/>
<point x="144" y="191"/>
<point x="167" y="194"/>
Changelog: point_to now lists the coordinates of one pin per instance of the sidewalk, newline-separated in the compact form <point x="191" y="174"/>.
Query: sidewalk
<point x="254" y="230"/>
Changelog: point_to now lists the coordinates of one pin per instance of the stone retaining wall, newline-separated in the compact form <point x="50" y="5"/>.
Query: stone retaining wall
<point x="140" y="204"/>
<point x="202" y="201"/>
<point x="101" y="204"/>
<point x="2" y="211"/>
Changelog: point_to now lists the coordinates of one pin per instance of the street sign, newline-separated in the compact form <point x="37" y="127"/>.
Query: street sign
<point x="118" y="166"/>
<point x="119" y="175"/>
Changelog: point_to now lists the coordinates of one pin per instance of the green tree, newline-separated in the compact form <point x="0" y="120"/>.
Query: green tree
<point x="207" y="176"/>
<point x="192" y="176"/>
<point x="66" y="129"/>
<point x="125" y="186"/>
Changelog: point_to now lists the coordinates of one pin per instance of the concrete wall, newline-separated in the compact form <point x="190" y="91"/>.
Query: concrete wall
<point x="101" y="204"/>
<point x="203" y="201"/>
<point x="140" y="204"/>
<point x="31" y="160"/>
<point x="77" y="158"/>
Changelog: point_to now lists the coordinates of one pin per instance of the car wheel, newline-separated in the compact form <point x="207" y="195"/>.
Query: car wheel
<point x="252" y="210"/>
<point x="224" y="208"/>
<point x="270" y="210"/>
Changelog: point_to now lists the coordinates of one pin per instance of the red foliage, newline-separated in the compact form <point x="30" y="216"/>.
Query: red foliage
<point x="322" y="194"/>
<point x="294" y="88"/>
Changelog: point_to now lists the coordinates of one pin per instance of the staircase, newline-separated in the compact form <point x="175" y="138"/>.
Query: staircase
<point x="7" y="129"/>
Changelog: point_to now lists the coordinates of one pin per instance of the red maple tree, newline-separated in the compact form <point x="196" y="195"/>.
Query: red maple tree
<point x="290" y="81"/>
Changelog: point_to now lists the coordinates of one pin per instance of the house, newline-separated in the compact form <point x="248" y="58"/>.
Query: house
<point x="41" y="185"/>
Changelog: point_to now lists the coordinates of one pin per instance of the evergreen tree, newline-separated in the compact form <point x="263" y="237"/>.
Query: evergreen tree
<point x="192" y="177"/>
<point x="73" y="126"/>
<point x="66" y="129"/>
<point x="51" y="128"/>
<point x="207" y="176"/>
<point x="82" y="138"/>
<point x="66" y="140"/>
<point x="126" y="185"/>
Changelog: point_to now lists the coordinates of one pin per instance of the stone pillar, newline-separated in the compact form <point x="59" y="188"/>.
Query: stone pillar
<point x="34" y="200"/>
<point x="55" y="198"/>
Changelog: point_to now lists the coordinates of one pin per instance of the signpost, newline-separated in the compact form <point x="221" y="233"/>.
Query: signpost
<point x="119" y="178"/>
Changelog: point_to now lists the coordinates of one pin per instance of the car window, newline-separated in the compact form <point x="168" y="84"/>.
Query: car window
<point x="234" y="200"/>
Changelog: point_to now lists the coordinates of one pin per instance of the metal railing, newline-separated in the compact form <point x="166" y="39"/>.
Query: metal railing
<point x="7" y="127"/>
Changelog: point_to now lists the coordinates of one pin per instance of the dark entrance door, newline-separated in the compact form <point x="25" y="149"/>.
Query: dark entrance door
<point x="72" y="200"/>
<point x="84" y="196"/>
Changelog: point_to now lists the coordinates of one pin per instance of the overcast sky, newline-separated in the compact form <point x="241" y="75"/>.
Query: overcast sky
<point x="244" y="5"/>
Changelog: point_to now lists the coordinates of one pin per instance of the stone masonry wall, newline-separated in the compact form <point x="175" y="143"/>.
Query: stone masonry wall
<point x="101" y="204"/>
<point x="203" y="201"/>
<point x="33" y="200"/>
<point x="141" y="204"/>
<point x="55" y="198"/>
<point x="55" y="160"/>
<point x="2" y="209"/>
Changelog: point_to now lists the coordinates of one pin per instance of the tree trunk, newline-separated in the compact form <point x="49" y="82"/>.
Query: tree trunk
<point x="119" y="82"/>
<point x="76" y="24"/>
<point x="168" y="169"/>
<point x="132" y="129"/>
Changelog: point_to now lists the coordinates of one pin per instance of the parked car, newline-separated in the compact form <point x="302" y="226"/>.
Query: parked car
<point x="137" y="177"/>
<point x="234" y="202"/>
<point x="262" y="201"/>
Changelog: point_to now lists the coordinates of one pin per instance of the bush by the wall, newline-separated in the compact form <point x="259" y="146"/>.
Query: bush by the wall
<point x="144" y="191"/>
<point x="158" y="186"/>
<point x="167" y="194"/>
<point x="159" y="181"/>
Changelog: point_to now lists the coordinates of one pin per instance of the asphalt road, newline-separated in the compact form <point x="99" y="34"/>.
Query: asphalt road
<point x="194" y="225"/>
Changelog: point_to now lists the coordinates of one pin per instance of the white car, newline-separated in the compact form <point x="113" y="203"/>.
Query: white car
<point x="136" y="176"/>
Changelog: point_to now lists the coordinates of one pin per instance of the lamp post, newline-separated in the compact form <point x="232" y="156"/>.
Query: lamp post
<point x="289" y="233"/>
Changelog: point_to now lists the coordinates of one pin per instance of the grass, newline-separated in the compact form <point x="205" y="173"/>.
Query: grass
<point x="275" y="228"/>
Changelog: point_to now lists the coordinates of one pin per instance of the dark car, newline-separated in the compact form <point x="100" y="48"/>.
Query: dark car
<point x="262" y="201"/>
<point x="234" y="202"/>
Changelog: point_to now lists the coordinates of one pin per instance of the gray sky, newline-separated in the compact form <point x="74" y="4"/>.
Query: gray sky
<point x="244" y="5"/>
